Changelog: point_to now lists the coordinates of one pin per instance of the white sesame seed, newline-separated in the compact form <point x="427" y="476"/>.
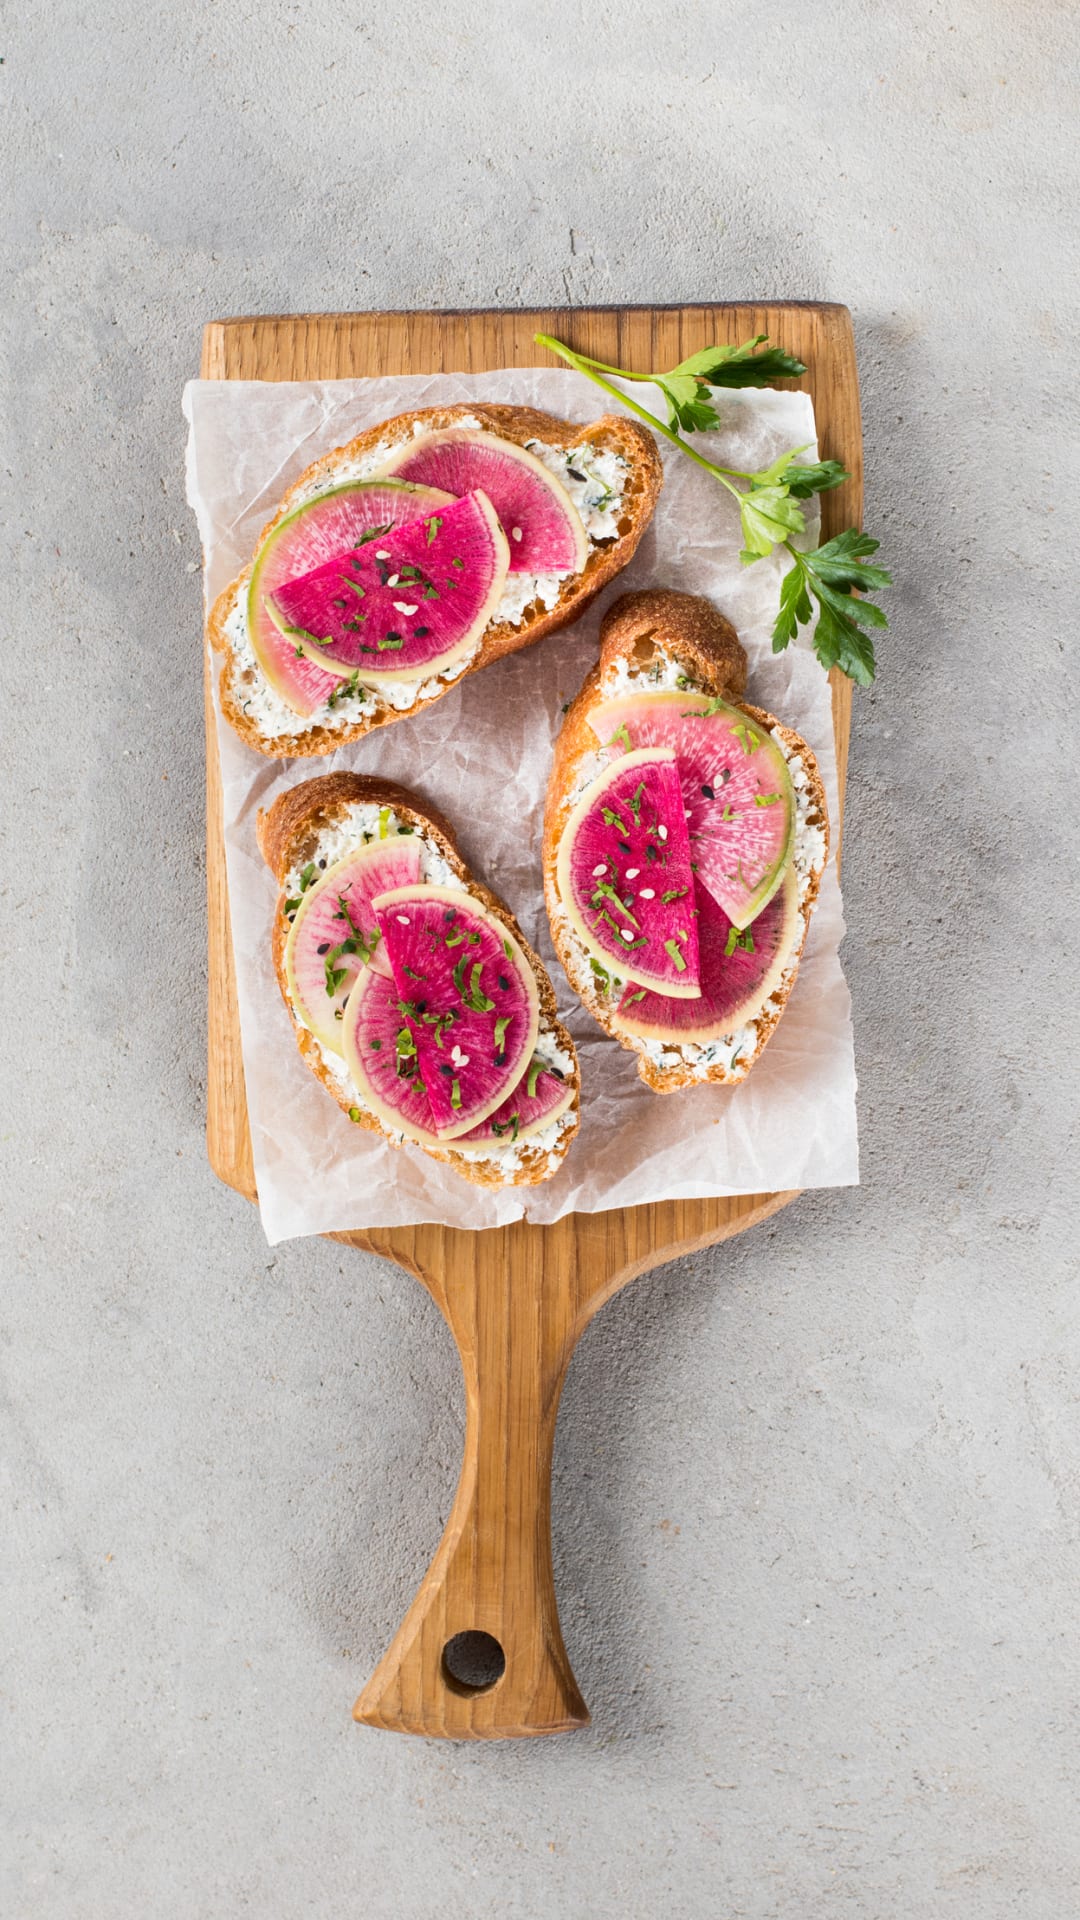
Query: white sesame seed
<point x="626" y="933"/>
<point x="632" y="872"/>
<point x="381" y="553"/>
<point x="661" y="833"/>
<point x="402" y="919"/>
<point x="597" y="871"/>
<point x="402" y="606"/>
<point x="648" y="893"/>
<point x="516" y="532"/>
<point x="393" y="580"/>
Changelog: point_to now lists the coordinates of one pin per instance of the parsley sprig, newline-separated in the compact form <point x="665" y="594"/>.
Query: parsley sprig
<point x="769" y="508"/>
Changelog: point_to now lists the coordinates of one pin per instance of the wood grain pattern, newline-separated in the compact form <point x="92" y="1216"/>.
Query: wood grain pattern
<point x="516" y="1299"/>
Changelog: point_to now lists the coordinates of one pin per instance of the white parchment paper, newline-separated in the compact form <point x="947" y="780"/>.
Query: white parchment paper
<point x="482" y="754"/>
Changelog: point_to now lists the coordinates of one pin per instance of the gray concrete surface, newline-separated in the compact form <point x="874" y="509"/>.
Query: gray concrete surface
<point x="815" y="1515"/>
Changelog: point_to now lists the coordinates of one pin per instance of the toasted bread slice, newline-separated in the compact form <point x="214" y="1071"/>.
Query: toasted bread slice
<point x="342" y="805"/>
<point x="265" y="721"/>
<point x="648" y="639"/>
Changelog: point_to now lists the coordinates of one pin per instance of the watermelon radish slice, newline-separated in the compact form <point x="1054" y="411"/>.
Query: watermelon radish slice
<point x="537" y="514"/>
<point x="540" y="1096"/>
<point x="740" y="968"/>
<point x="624" y="873"/>
<point x="403" y="605"/>
<point x="311" y="534"/>
<point x="336" y="915"/>
<point x="468" y="1013"/>
<point x="736" y="789"/>
<point x="378" y="1042"/>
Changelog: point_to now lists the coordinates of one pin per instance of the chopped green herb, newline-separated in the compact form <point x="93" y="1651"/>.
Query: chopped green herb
<point x="457" y="563"/>
<point x="745" y="940"/>
<point x="391" y="643"/>
<point x="345" y="688"/>
<point x="500" y="1031"/>
<point x="373" y="533"/>
<point x="455" y="1093"/>
<point x="602" y="975"/>
<point x="613" y="819"/>
<point x="635" y="801"/>
<point x="536" y="1068"/>
<point x="459" y="974"/>
<point x="376" y="1046"/>
<point x="476" y="998"/>
<point x="673" y="893"/>
<point x="632" y="997"/>
<point x="354" y="1113"/>
<point x="604" y="891"/>
<point x="508" y="948"/>
<point x="360" y="592"/>
<point x="433" y="526"/>
<point x="766" y="799"/>
<point x="507" y="1126"/>
<point x="744" y="731"/>
<point x="671" y="948"/>
<point x="384" y="822"/>
<point x="620" y="733"/>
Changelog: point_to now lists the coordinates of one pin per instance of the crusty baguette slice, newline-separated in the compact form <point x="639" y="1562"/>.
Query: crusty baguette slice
<point x="322" y="732"/>
<point x="644" y="633"/>
<point x="289" y="836"/>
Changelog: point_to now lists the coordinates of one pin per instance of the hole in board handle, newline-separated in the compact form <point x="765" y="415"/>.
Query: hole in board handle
<point x="472" y="1662"/>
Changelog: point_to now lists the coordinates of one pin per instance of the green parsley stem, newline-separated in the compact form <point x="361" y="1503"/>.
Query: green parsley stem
<point x="584" y="366"/>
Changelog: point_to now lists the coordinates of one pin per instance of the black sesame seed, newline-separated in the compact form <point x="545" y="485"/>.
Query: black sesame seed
<point x="504" y="983"/>
<point x="325" y="948"/>
<point x="708" y="793"/>
<point x="448" y="1071"/>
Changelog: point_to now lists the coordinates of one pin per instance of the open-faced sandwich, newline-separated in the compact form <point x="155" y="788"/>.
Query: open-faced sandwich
<point x="685" y="837"/>
<point x="415" y="997"/>
<point x="431" y="545"/>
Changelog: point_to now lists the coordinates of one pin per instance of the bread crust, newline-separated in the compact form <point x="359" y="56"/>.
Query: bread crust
<point x="640" y="628"/>
<point x="287" y="833"/>
<point x="610" y="433"/>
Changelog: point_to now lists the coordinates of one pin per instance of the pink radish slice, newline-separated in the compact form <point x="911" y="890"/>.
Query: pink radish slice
<point x="737" y="793"/>
<point x="312" y="533"/>
<point x="624" y="873"/>
<point x="333" y="913"/>
<point x="540" y="521"/>
<point x="404" y="605"/>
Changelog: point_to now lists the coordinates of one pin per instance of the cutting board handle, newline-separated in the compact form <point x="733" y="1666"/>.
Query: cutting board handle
<point x="515" y="1330"/>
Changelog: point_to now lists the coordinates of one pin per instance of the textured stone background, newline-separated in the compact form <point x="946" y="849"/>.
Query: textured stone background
<point x="815" y="1515"/>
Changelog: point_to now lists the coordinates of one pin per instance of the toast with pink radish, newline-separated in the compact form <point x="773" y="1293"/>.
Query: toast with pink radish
<point x="685" y="837"/>
<point x="428" y="547"/>
<point x="414" y="996"/>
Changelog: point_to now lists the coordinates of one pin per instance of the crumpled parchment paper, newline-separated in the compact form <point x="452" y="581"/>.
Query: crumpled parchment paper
<point x="482" y="754"/>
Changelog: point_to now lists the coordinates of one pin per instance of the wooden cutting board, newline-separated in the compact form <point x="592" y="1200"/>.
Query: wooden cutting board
<point x="516" y="1299"/>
